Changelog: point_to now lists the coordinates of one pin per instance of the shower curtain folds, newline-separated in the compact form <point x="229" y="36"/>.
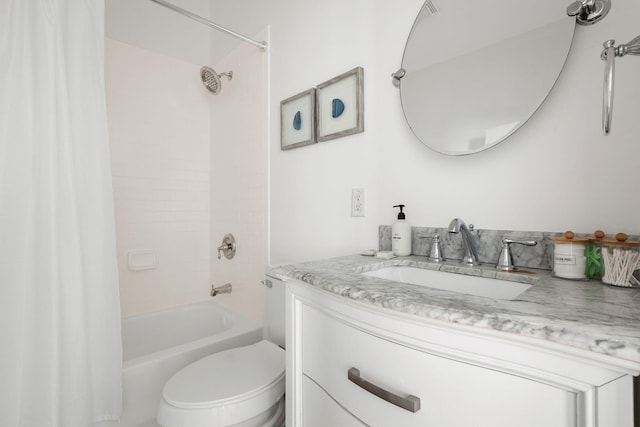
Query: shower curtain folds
<point x="60" y="351"/>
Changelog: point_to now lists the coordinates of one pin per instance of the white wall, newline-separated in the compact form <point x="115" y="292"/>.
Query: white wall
<point x="311" y="186"/>
<point x="558" y="172"/>
<point x="159" y="138"/>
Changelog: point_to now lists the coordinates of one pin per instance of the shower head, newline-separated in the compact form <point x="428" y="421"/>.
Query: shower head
<point x="211" y="79"/>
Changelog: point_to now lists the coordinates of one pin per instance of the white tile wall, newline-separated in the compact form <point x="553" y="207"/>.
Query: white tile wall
<point x="159" y="134"/>
<point x="239" y="158"/>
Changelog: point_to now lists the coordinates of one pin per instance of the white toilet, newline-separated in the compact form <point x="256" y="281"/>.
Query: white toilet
<point x="239" y="387"/>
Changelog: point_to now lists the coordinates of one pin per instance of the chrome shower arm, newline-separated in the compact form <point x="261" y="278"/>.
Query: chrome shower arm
<point x="608" y="55"/>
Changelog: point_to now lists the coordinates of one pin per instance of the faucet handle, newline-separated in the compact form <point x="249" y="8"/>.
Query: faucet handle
<point x="436" y="253"/>
<point x="505" y="260"/>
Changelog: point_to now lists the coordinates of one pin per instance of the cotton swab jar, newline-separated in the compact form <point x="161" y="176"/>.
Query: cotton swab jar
<point x="621" y="258"/>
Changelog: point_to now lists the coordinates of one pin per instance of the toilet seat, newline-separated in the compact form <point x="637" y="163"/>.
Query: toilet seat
<point x="225" y="388"/>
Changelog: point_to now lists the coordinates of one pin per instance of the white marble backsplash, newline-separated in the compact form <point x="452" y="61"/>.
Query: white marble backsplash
<point x="489" y="244"/>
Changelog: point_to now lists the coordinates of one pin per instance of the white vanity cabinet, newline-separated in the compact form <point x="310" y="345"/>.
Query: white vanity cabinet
<point x="352" y="364"/>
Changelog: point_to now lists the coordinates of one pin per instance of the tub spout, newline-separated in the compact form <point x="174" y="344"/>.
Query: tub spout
<point x="224" y="289"/>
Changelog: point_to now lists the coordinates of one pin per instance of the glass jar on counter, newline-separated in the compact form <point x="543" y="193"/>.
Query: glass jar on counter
<point x="595" y="264"/>
<point x="569" y="260"/>
<point x="621" y="258"/>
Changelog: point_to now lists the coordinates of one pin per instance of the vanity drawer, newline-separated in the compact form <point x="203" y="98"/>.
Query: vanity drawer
<point x="451" y="393"/>
<point x="321" y="410"/>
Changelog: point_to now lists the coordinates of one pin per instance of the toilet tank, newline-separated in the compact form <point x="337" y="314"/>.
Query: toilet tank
<point x="274" y="329"/>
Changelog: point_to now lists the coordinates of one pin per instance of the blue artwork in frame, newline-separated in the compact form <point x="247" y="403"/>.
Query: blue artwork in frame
<point x="340" y="106"/>
<point x="297" y="120"/>
<point x="337" y="107"/>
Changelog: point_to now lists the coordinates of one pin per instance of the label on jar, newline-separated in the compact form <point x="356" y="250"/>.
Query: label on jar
<point x="564" y="259"/>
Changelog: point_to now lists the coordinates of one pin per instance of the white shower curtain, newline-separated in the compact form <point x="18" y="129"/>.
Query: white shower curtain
<point x="60" y="348"/>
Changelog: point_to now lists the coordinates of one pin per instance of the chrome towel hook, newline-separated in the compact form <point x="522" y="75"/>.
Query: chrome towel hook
<point x="608" y="55"/>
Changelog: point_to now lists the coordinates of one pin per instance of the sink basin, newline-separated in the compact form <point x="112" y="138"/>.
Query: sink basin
<point x="472" y="285"/>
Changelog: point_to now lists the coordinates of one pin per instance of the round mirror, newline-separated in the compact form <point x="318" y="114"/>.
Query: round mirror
<point x="475" y="71"/>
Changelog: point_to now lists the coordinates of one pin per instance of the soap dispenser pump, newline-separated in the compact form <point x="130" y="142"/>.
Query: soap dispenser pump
<point x="401" y="234"/>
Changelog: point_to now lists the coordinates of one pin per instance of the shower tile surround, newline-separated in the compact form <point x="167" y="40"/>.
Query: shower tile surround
<point x="580" y="314"/>
<point x="180" y="185"/>
<point x="160" y="149"/>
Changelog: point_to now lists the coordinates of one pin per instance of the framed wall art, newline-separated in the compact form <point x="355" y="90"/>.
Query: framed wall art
<point x="340" y="105"/>
<point x="297" y="120"/>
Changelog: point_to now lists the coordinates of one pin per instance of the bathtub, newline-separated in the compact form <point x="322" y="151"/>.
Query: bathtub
<point x="156" y="345"/>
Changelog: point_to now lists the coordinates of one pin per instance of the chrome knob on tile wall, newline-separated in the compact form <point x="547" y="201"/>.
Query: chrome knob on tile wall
<point x="228" y="247"/>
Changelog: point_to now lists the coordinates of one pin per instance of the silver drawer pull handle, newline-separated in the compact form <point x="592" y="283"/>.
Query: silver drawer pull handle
<point x="410" y="403"/>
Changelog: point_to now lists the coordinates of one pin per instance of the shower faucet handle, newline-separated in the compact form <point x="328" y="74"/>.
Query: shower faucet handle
<point x="228" y="247"/>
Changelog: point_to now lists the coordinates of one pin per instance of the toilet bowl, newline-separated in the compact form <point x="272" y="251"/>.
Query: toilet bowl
<point x="239" y="387"/>
<point x="229" y="388"/>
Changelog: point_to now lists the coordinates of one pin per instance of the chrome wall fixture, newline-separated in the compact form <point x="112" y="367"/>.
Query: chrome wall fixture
<point x="212" y="80"/>
<point x="397" y="76"/>
<point x="608" y="55"/>
<point x="200" y="19"/>
<point x="589" y="12"/>
<point x="224" y="289"/>
<point x="228" y="247"/>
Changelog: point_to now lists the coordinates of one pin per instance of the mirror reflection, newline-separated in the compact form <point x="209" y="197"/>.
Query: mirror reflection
<point x="476" y="71"/>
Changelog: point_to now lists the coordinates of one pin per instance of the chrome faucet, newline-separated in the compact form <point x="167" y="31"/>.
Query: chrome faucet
<point x="470" y="256"/>
<point x="224" y="289"/>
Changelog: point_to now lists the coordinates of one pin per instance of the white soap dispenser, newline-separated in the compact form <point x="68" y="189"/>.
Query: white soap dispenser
<point x="401" y="235"/>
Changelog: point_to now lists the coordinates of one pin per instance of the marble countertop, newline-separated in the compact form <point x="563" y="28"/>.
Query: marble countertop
<point x="582" y="314"/>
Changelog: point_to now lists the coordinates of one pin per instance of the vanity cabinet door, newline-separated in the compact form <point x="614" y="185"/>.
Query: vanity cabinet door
<point x="451" y="393"/>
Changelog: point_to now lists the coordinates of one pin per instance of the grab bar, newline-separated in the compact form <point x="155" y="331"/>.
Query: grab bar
<point x="608" y="55"/>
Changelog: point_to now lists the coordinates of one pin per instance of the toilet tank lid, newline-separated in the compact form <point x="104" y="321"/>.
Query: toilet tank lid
<point x="227" y="377"/>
